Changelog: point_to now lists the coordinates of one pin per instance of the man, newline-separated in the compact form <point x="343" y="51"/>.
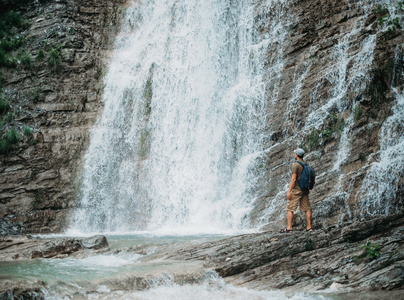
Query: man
<point x="295" y="195"/>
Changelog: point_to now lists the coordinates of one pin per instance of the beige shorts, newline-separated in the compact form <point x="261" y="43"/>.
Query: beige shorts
<point x="298" y="198"/>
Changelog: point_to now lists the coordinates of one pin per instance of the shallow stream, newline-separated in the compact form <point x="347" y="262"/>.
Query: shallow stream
<point x="121" y="274"/>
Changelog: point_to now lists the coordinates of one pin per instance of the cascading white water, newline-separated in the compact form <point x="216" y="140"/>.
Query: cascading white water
<point x="182" y="122"/>
<point x="347" y="72"/>
<point x="381" y="182"/>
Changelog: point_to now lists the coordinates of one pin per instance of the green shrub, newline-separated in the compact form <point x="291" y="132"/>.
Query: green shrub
<point x="381" y="10"/>
<point x="399" y="7"/>
<point x="12" y="44"/>
<point x="327" y="135"/>
<point x="3" y="58"/>
<point x="36" y="94"/>
<point x="12" y="136"/>
<point x="27" y="131"/>
<point x="26" y="60"/>
<point x="54" y="59"/>
<point x="372" y="251"/>
<point x="4" y="146"/>
<point x="2" y="80"/>
<point x="8" y="21"/>
<point x="40" y="55"/>
<point x="334" y="118"/>
<point x="7" y="61"/>
<point x="310" y="243"/>
<point x="10" y="117"/>
<point x="13" y="19"/>
<point x="395" y="23"/>
<point x="12" y="62"/>
<point x="384" y="17"/>
<point x="313" y="140"/>
<point x="4" y="106"/>
<point x="7" y="141"/>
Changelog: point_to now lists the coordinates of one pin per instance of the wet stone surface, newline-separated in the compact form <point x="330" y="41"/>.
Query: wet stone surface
<point x="360" y="257"/>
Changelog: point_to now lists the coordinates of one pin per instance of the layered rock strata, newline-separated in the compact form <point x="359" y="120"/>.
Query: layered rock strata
<point x="53" y="102"/>
<point x="338" y="258"/>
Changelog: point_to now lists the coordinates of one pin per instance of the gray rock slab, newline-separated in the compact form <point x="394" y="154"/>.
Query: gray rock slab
<point x="95" y="242"/>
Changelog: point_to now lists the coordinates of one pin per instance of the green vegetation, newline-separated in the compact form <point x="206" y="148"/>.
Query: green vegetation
<point x="4" y="106"/>
<point x="379" y="84"/>
<point x="2" y="80"/>
<point x="10" y="117"/>
<point x="12" y="43"/>
<point x="12" y="136"/>
<point x="310" y="244"/>
<point x="384" y="17"/>
<point x="8" y="140"/>
<point x="27" y="131"/>
<point x="4" y="147"/>
<point x="313" y="140"/>
<point x="381" y="10"/>
<point x="40" y="55"/>
<point x="6" y="112"/>
<point x="36" y="94"/>
<point x="327" y="135"/>
<point x="11" y="23"/>
<point x="333" y="118"/>
<point x="55" y="59"/>
<point x="26" y="60"/>
<point x="399" y="6"/>
<point x="8" y="21"/>
<point x="332" y="129"/>
<point x="372" y="251"/>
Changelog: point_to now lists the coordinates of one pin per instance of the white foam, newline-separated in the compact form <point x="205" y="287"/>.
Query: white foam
<point x="212" y="288"/>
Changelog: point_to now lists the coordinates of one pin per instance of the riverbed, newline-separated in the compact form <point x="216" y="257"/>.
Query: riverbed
<point x="123" y="272"/>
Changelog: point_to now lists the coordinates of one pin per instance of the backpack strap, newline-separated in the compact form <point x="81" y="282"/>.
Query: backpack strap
<point x="303" y="165"/>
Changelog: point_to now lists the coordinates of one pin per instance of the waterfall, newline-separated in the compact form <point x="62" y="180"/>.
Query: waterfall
<point x="382" y="180"/>
<point x="182" y="124"/>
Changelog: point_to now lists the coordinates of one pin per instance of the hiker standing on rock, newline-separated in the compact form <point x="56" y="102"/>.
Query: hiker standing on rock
<point x="298" y="192"/>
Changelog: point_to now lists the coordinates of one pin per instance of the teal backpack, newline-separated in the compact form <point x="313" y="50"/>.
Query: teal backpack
<point x="308" y="178"/>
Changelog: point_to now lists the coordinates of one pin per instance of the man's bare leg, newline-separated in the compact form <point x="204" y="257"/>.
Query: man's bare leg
<point x="290" y="219"/>
<point x="308" y="218"/>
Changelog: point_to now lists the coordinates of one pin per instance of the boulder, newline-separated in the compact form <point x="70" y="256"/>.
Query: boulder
<point x="95" y="242"/>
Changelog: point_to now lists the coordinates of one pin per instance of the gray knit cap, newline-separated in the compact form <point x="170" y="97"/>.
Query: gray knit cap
<point x="299" y="152"/>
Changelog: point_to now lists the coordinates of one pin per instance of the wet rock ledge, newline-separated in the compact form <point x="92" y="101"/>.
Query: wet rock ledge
<point x="360" y="257"/>
<point x="27" y="247"/>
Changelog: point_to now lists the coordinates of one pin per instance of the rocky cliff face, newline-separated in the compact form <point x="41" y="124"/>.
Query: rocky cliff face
<point x="338" y="96"/>
<point x="51" y="89"/>
<point x="335" y="84"/>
